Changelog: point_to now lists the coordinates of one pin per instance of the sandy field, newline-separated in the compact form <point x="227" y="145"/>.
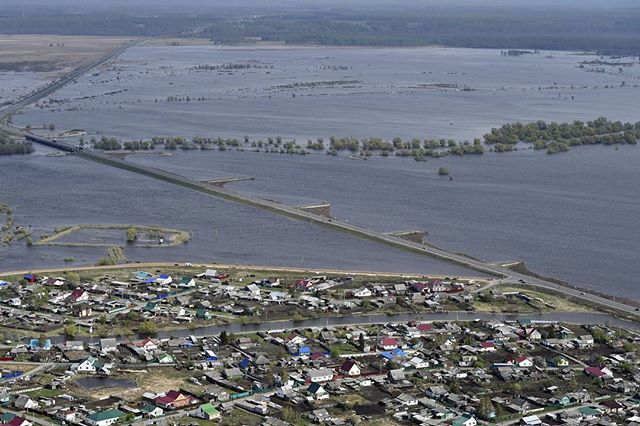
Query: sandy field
<point x="47" y="53"/>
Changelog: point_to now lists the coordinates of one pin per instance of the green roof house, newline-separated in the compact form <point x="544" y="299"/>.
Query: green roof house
<point x="104" y="418"/>
<point x="208" y="412"/>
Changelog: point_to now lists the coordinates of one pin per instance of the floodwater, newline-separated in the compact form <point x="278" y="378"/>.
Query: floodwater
<point x="311" y="92"/>
<point x="572" y="215"/>
<point x="55" y="192"/>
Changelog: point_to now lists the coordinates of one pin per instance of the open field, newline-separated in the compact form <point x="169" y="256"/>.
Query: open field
<point x="170" y="41"/>
<point x="52" y="53"/>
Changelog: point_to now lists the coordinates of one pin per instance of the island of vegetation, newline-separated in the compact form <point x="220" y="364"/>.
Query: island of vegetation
<point x="559" y="137"/>
<point x="10" y="146"/>
<point x="10" y="231"/>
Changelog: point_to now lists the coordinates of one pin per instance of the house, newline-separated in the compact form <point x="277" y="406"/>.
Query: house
<point x="253" y="289"/>
<point x="83" y="310"/>
<point x="104" y="418"/>
<point x="487" y="346"/>
<point x="585" y="341"/>
<point x="245" y="343"/>
<point x="388" y="343"/>
<point x="142" y="275"/>
<point x="407" y="400"/>
<point x="164" y="358"/>
<point x="424" y="328"/>
<point x="599" y="373"/>
<point x="232" y="373"/>
<point x="465" y="420"/>
<point x="529" y="333"/>
<point x="23" y="402"/>
<point x="78" y="295"/>
<point x="350" y="368"/>
<point x="560" y="361"/>
<point x="362" y="292"/>
<point x="418" y="363"/>
<point x="89" y="365"/>
<point x="207" y="412"/>
<point x="164" y="279"/>
<point x="109" y="344"/>
<point x="67" y="415"/>
<point x="320" y="416"/>
<point x="396" y="376"/>
<point x="521" y="361"/>
<point x="530" y="421"/>
<point x="18" y="421"/>
<point x="317" y="391"/>
<point x="589" y="413"/>
<point x="152" y="411"/>
<point x="320" y="375"/>
<point x="186" y="282"/>
<point x="147" y="344"/>
<point x="611" y="406"/>
<point x="74" y="345"/>
<point x="203" y="314"/>
<point x="172" y="400"/>
<point x="210" y="274"/>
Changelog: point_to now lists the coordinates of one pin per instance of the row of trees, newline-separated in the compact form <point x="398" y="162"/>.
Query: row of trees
<point x="411" y="148"/>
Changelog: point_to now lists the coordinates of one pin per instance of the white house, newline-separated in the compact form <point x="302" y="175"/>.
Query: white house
<point x="210" y="274"/>
<point x="317" y="391"/>
<point x="187" y="282"/>
<point x="350" y="368"/>
<point x="164" y="279"/>
<point x="521" y="361"/>
<point x="418" y="363"/>
<point x="388" y="343"/>
<point x="86" y="366"/>
<point x="104" y="418"/>
<point x="407" y="399"/>
<point x="465" y="421"/>
<point x="23" y="402"/>
<point x="362" y="292"/>
<point x="320" y="375"/>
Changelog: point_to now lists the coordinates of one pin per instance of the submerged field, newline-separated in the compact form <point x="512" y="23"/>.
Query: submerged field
<point x="302" y="92"/>
<point x="28" y="62"/>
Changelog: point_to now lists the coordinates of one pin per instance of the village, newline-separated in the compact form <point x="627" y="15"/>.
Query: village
<point x="191" y="345"/>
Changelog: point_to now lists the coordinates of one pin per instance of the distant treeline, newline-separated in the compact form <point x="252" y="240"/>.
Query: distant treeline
<point x="607" y="32"/>
<point x="611" y="31"/>
<point x="559" y="137"/>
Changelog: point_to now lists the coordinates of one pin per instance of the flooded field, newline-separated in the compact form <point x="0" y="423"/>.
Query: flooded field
<point x="305" y="93"/>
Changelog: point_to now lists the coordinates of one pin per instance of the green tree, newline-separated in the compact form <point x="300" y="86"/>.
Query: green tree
<point x="147" y="327"/>
<point x="132" y="234"/>
<point x="486" y="410"/>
